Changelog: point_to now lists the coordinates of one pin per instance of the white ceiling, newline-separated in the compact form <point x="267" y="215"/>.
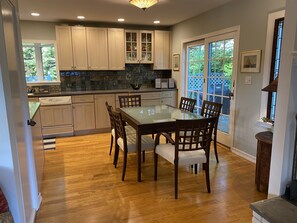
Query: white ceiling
<point x="169" y="12"/>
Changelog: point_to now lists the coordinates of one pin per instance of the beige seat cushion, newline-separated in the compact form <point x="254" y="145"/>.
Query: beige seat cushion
<point x="129" y="130"/>
<point x="185" y="157"/>
<point x="147" y="143"/>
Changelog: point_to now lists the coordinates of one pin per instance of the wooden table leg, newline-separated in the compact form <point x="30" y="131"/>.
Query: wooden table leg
<point x="138" y="144"/>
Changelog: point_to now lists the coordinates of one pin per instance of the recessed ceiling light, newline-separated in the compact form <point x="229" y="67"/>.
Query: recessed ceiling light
<point x="80" y="17"/>
<point x="157" y="22"/>
<point x="121" y="20"/>
<point x="35" y="14"/>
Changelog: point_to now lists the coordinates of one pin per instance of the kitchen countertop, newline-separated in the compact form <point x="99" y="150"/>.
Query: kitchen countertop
<point x="276" y="209"/>
<point x="116" y="91"/>
<point x="33" y="107"/>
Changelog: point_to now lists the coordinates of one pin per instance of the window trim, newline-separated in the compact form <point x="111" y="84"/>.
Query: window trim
<point x="267" y="63"/>
<point x="38" y="83"/>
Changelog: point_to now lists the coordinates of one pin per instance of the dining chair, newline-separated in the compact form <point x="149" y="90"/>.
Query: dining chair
<point x="128" y="129"/>
<point x="210" y="110"/>
<point x="112" y="126"/>
<point x="127" y="142"/>
<point x="189" y="148"/>
<point x="130" y="101"/>
<point x="187" y="104"/>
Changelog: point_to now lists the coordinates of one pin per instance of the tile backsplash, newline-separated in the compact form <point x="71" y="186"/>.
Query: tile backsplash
<point x="108" y="80"/>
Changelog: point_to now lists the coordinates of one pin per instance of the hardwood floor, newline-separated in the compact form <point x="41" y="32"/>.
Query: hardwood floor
<point x="80" y="184"/>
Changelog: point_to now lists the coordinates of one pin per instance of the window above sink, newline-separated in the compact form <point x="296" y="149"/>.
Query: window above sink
<point x="40" y="62"/>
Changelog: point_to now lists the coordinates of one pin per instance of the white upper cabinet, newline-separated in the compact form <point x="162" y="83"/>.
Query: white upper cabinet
<point x="64" y="47"/>
<point x="97" y="48"/>
<point x="116" y="49"/>
<point x="79" y="45"/>
<point x="138" y="46"/>
<point x="81" y="48"/>
<point x="72" y="48"/>
<point x="162" y="50"/>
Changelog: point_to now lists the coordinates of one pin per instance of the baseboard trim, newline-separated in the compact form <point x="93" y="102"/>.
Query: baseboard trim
<point x="243" y="155"/>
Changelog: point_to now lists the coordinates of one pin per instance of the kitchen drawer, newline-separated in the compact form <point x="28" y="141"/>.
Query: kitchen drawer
<point x="82" y="98"/>
<point x="151" y="95"/>
<point x="150" y="102"/>
<point x="167" y="94"/>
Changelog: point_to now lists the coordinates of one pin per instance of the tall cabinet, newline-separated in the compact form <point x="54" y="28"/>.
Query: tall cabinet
<point x="162" y="50"/>
<point x="116" y="47"/>
<point x="64" y="47"/>
<point x="97" y="48"/>
<point x="79" y="47"/>
<point x="72" y="47"/>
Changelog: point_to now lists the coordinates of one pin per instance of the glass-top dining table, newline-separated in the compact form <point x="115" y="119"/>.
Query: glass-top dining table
<point x="153" y="119"/>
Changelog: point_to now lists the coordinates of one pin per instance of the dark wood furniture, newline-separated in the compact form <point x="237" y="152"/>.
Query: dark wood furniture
<point x="112" y="129"/>
<point x="130" y="101"/>
<point x="127" y="142"/>
<point x="263" y="160"/>
<point x="151" y="120"/>
<point x="212" y="110"/>
<point x="191" y="146"/>
<point x="187" y="104"/>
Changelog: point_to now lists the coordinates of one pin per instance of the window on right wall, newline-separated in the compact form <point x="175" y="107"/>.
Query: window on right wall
<point x="275" y="65"/>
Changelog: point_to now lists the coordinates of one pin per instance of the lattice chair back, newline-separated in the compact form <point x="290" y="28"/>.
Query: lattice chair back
<point x="130" y="101"/>
<point x="110" y="110"/>
<point x="194" y="135"/>
<point x="120" y="131"/>
<point x="187" y="104"/>
<point x="211" y="109"/>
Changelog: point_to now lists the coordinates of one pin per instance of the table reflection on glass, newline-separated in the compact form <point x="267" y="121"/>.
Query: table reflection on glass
<point x="153" y="119"/>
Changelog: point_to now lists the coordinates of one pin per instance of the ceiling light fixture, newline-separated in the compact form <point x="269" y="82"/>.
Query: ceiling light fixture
<point x="80" y="17"/>
<point x="121" y="20"/>
<point x="157" y="22"/>
<point x="143" y="4"/>
<point x="35" y="14"/>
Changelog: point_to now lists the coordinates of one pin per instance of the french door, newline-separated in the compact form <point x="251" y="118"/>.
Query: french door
<point x="210" y="75"/>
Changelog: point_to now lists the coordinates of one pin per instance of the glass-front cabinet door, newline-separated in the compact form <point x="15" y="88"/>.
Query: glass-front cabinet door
<point x="146" y="39"/>
<point x="138" y="46"/>
<point x="131" y="42"/>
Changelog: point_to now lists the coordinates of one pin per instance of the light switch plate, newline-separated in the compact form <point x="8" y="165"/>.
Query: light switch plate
<point x="248" y="80"/>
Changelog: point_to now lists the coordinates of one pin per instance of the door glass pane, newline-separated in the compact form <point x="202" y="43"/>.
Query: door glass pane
<point x="219" y="80"/>
<point x="195" y="75"/>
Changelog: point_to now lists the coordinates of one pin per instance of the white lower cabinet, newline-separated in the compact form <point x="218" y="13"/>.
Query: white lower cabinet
<point x="169" y="98"/>
<point x="102" y="116"/>
<point x="83" y="109"/>
<point x="153" y="98"/>
<point x="56" y="120"/>
<point x="88" y="112"/>
<point x="83" y="116"/>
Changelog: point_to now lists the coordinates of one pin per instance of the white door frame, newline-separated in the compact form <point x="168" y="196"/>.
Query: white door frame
<point x="234" y="33"/>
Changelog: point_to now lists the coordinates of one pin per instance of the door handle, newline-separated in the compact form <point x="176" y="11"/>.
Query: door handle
<point x="31" y="122"/>
<point x="231" y="95"/>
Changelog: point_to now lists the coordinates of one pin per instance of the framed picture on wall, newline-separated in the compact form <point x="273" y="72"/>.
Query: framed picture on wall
<point x="250" y="61"/>
<point x="175" y="61"/>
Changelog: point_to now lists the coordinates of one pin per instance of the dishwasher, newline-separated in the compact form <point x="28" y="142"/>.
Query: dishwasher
<point x="56" y="116"/>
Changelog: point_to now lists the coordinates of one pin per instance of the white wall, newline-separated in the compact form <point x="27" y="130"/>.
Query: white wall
<point x="251" y="16"/>
<point x="38" y="30"/>
<point x="286" y="107"/>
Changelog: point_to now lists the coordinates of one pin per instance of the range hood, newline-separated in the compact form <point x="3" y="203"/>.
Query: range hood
<point x="272" y="87"/>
